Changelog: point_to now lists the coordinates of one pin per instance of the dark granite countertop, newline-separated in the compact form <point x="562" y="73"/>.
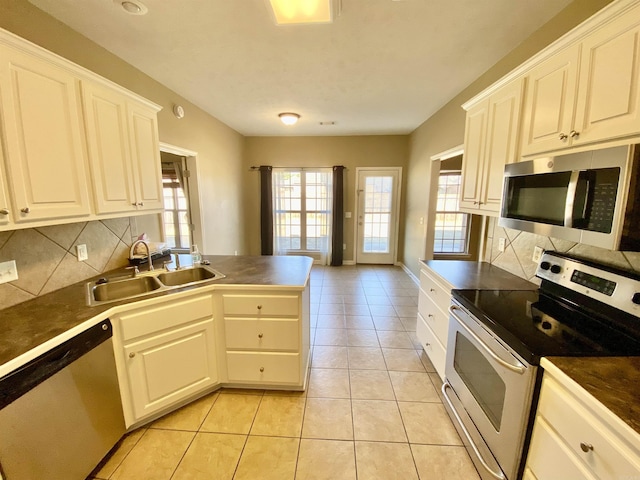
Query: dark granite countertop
<point x="613" y="381"/>
<point x="28" y="325"/>
<point x="461" y="274"/>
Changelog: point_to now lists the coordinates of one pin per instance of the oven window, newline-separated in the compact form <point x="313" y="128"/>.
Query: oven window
<point x="480" y="378"/>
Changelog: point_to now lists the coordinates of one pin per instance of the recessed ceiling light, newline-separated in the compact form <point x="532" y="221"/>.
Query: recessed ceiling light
<point x="133" y="7"/>
<point x="289" y="118"/>
<point x="291" y="12"/>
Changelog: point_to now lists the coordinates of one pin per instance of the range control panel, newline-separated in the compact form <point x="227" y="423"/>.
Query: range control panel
<point x="612" y="286"/>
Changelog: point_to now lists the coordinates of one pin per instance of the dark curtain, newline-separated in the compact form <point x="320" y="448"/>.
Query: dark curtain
<point x="266" y="210"/>
<point x="337" y="237"/>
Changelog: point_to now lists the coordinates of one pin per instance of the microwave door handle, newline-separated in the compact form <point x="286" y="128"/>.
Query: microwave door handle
<point x="514" y="368"/>
<point x="571" y="198"/>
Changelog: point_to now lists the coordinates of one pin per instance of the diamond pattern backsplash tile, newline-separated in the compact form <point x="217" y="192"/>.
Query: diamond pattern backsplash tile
<point x="517" y="257"/>
<point x="46" y="256"/>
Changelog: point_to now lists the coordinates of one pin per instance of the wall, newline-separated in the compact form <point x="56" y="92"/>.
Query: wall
<point x="219" y="167"/>
<point x="445" y="129"/>
<point x="352" y="152"/>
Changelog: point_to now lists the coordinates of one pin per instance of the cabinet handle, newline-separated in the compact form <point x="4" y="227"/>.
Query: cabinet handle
<point x="586" y="447"/>
<point x="259" y="307"/>
<point x="563" y="136"/>
<point x="4" y="211"/>
<point x="260" y="335"/>
<point x="132" y="354"/>
<point x="574" y="134"/>
<point x="261" y="369"/>
<point x="25" y="210"/>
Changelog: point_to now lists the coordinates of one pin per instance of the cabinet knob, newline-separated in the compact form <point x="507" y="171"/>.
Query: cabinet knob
<point x="141" y="204"/>
<point x="105" y="327"/>
<point x="563" y="136"/>
<point x="259" y="307"/>
<point x="25" y="210"/>
<point x="132" y="354"/>
<point x="430" y="315"/>
<point x="134" y="204"/>
<point x="427" y="344"/>
<point x="4" y="211"/>
<point x="260" y="335"/>
<point x="261" y="369"/>
<point x="574" y="134"/>
<point x="432" y="289"/>
<point x="586" y="447"/>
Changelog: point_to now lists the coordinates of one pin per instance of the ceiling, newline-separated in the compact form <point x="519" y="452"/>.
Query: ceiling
<point x="382" y="67"/>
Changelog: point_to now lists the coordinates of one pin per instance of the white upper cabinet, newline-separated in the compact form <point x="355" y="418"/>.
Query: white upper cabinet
<point x="123" y="151"/>
<point x="43" y="138"/>
<point x="491" y="141"/>
<point x="5" y="209"/>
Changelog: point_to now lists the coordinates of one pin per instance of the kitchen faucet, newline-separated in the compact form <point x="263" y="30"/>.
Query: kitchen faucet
<point x="133" y="249"/>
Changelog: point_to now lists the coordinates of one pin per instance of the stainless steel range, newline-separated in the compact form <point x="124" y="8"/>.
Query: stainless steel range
<point x="497" y="337"/>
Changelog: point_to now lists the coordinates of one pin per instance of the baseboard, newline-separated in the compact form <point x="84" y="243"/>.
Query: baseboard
<point x="348" y="262"/>
<point x="415" y="279"/>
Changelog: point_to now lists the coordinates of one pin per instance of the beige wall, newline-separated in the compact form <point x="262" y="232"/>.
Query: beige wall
<point x="219" y="147"/>
<point x="445" y="129"/>
<point x="352" y="152"/>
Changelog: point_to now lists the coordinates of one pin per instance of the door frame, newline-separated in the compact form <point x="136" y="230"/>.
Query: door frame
<point x="396" y="212"/>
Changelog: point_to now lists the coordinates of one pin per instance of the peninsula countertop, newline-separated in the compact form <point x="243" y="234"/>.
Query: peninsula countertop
<point x="44" y="320"/>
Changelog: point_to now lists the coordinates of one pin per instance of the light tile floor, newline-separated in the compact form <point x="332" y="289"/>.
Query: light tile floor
<point x="371" y="411"/>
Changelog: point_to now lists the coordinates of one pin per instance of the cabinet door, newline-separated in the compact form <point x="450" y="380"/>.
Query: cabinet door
<point x="474" y="144"/>
<point x="145" y="152"/>
<point x="502" y="142"/>
<point x="41" y="115"/>
<point x="108" y="144"/>
<point x="5" y="210"/>
<point x="609" y="90"/>
<point x="165" y="368"/>
<point x="550" y="101"/>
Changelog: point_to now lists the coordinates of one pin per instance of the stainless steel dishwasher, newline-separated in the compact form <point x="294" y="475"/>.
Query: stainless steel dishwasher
<point x="61" y="413"/>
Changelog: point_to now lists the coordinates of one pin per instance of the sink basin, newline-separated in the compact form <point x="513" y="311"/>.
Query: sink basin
<point x="187" y="276"/>
<point x="121" y="289"/>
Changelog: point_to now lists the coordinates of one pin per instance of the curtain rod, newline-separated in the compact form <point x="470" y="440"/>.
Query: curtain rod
<point x="255" y="169"/>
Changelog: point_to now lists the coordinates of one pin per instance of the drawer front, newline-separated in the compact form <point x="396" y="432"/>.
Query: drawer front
<point x="576" y="424"/>
<point x="550" y="458"/>
<point x="249" y="334"/>
<point x="166" y="315"/>
<point x="260" y="305"/>
<point x="434" y="291"/>
<point x="263" y="368"/>
<point x="437" y="320"/>
<point x="431" y="345"/>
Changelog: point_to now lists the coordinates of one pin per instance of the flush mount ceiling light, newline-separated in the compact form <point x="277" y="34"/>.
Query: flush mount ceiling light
<point x="133" y="7"/>
<point x="289" y="118"/>
<point x="289" y="12"/>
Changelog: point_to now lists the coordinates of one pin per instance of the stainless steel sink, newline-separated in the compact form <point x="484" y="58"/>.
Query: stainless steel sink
<point x="112" y="290"/>
<point x="121" y="289"/>
<point x="187" y="276"/>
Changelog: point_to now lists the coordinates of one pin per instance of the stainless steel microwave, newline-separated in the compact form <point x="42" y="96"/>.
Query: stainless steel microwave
<point x="587" y="197"/>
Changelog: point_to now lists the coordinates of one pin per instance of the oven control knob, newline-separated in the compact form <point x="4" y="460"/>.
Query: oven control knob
<point x="546" y="325"/>
<point x="636" y="298"/>
<point x="545" y="265"/>
<point x="556" y="268"/>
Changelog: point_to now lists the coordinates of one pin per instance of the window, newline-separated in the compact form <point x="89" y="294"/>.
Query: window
<point x="451" y="227"/>
<point x="177" y="227"/>
<point x="302" y="211"/>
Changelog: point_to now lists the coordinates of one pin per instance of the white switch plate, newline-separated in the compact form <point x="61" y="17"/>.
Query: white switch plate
<point x="502" y="242"/>
<point x="347" y="214"/>
<point x="8" y="271"/>
<point x="82" y="252"/>
<point x="537" y="253"/>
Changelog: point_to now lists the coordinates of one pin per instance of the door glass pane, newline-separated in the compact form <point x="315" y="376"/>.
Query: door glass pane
<point x="377" y="214"/>
<point x="484" y="383"/>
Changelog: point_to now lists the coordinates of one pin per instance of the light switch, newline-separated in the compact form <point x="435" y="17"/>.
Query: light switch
<point x="502" y="244"/>
<point x="8" y="271"/>
<point x="347" y="214"/>
<point x="82" y="252"/>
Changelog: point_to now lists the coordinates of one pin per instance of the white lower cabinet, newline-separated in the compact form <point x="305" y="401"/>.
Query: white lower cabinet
<point x="575" y="436"/>
<point x="165" y="354"/>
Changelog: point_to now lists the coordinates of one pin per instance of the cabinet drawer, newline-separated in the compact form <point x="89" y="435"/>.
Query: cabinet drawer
<point x="434" y="291"/>
<point x="431" y="345"/>
<point x="260" y="305"/>
<point x="577" y="424"/>
<point x="267" y="368"/>
<point x="165" y="315"/>
<point x="437" y="320"/>
<point x="249" y="334"/>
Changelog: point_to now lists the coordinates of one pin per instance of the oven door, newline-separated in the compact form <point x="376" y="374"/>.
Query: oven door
<point x="493" y="386"/>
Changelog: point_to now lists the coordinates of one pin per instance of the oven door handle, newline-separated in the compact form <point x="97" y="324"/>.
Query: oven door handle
<point x="514" y="368"/>
<point x="497" y="475"/>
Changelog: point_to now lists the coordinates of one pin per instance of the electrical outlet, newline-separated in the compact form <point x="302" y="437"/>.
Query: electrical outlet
<point x="537" y="253"/>
<point x="502" y="243"/>
<point x="421" y="221"/>
<point x="344" y="246"/>
<point x="8" y="271"/>
<point x="82" y="252"/>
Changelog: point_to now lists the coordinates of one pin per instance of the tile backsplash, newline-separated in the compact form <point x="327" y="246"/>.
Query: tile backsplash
<point x="46" y="256"/>
<point x="516" y="257"/>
